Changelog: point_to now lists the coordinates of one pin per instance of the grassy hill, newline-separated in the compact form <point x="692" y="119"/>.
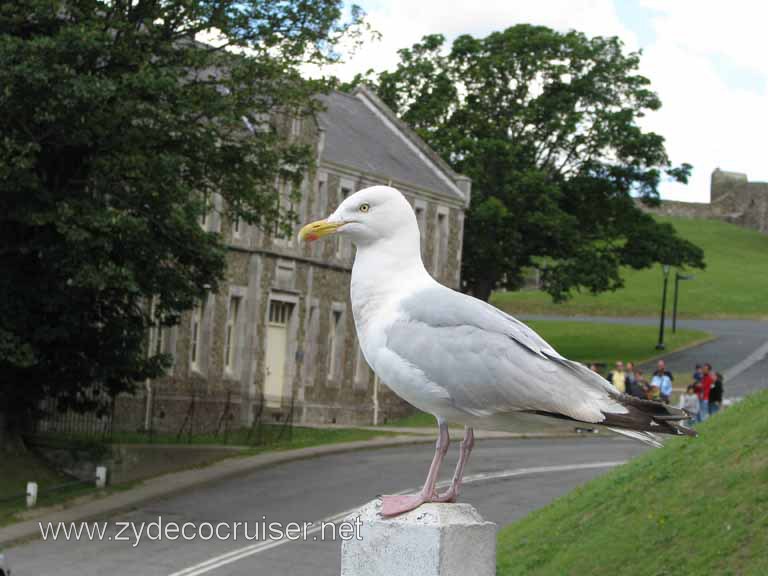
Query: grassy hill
<point x="697" y="506"/>
<point x="734" y="283"/>
<point x="608" y="343"/>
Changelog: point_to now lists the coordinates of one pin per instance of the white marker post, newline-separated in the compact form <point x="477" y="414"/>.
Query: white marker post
<point x="433" y="540"/>
<point x="101" y="477"/>
<point x="31" y="494"/>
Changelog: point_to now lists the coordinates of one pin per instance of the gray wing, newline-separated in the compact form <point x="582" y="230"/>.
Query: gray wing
<point x="488" y="362"/>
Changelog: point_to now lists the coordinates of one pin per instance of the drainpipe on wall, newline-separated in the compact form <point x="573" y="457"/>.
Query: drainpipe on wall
<point x="375" y="400"/>
<point x="148" y="410"/>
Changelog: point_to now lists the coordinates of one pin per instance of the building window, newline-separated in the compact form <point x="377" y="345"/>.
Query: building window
<point x="258" y="123"/>
<point x="320" y="210"/>
<point x="343" y="245"/>
<point x="296" y="126"/>
<point x="280" y="312"/>
<point x="197" y="322"/>
<point x="420" y="212"/>
<point x="236" y="226"/>
<point x="322" y="200"/>
<point x="276" y="232"/>
<point x="310" y="345"/>
<point x="284" y="204"/>
<point x="159" y="337"/>
<point x="361" y="371"/>
<point x="440" y="249"/>
<point x="420" y="218"/>
<point x="230" y="337"/>
<point x="205" y="216"/>
<point x="335" y="344"/>
<point x="156" y="345"/>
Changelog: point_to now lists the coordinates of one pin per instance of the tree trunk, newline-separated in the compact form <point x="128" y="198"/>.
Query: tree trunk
<point x="483" y="288"/>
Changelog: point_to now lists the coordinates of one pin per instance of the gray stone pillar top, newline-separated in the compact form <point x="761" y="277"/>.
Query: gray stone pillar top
<point x="424" y="515"/>
<point x="433" y="540"/>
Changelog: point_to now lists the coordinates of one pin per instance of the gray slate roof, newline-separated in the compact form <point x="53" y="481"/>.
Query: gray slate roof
<point x="357" y="138"/>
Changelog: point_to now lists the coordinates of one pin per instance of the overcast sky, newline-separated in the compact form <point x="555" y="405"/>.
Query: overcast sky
<point x="706" y="60"/>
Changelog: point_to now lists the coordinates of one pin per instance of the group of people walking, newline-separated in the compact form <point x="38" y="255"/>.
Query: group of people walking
<point x="702" y="398"/>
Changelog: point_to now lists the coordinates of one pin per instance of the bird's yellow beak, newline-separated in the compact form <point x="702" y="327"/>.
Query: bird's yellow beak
<point x="318" y="229"/>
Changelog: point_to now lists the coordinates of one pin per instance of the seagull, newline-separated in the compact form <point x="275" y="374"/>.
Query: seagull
<point x="457" y="357"/>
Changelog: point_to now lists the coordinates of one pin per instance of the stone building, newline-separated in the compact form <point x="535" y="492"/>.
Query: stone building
<point x="278" y="338"/>
<point x="737" y="200"/>
<point x="733" y="198"/>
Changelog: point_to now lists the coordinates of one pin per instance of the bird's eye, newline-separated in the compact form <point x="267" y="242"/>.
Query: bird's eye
<point x="364" y="207"/>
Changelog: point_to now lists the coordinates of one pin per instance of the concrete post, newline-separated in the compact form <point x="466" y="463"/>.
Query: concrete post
<point x="101" y="477"/>
<point x="31" y="494"/>
<point x="433" y="540"/>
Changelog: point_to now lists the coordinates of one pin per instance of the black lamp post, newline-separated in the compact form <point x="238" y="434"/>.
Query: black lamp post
<point x="660" y="345"/>
<point x="678" y="277"/>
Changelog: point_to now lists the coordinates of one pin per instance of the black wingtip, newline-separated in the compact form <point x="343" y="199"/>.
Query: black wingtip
<point x="649" y="416"/>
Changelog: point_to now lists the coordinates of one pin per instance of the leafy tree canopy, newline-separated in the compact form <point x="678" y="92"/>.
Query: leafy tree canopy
<point x="116" y="127"/>
<point x="546" y="125"/>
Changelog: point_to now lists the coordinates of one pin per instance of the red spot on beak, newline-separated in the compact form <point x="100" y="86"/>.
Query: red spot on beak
<point x="312" y="237"/>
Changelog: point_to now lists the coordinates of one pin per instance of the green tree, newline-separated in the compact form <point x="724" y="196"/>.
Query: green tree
<point x="546" y="125"/>
<point x="116" y="128"/>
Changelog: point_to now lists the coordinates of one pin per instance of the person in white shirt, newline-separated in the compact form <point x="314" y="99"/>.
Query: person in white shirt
<point x="690" y="403"/>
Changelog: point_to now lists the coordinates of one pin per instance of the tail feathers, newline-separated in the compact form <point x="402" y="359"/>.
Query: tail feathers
<point x="647" y="416"/>
<point x="643" y="419"/>
<point x="644" y="437"/>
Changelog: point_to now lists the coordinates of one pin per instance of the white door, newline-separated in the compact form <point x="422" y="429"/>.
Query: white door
<point x="277" y="345"/>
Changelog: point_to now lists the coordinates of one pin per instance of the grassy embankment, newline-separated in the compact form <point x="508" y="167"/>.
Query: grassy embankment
<point x="733" y="285"/>
<point x="697" y="506"/>
<point x="300" y="437"/>
<point x="18" y="469"/>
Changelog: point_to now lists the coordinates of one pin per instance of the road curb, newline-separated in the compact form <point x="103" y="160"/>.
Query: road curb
<point x="190" y="479"/>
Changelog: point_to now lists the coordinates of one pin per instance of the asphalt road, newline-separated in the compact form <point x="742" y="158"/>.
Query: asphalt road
<point x="534" y="473"/>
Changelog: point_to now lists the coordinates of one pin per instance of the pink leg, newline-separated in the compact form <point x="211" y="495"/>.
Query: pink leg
<point x="397" y="504"/>
<point x="466" y="448"/>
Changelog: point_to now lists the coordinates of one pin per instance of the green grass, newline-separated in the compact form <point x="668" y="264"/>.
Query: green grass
<point x="734" y="284"/>
<point x="697" y="506"/>
<point x="607" y="343"/>
<point x="588" y="342"/>
<point x="415" y="420"/>
<point x="271" y="437"/>
<point x="20" y="468"/>
<point x="308" y="437"/>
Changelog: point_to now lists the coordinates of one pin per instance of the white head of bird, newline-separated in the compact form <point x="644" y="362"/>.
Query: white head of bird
<point x="369" y="216"/>
<point x="378" y="218"/>
<point x="382" y="225"/>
